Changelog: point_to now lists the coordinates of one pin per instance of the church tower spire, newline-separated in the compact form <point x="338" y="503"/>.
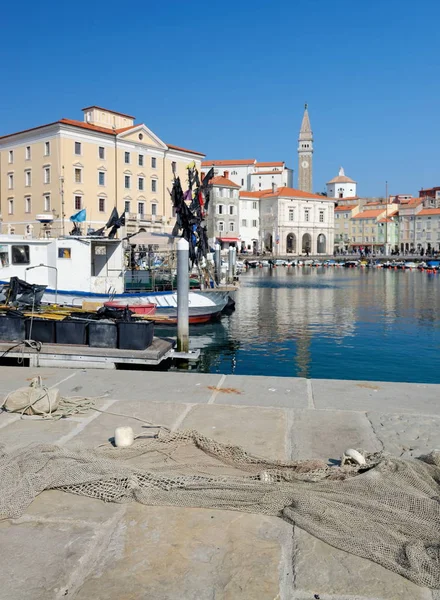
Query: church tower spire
<point x="305" y="154"/>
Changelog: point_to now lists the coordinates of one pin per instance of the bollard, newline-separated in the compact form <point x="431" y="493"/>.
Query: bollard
<point x="182" y="296"/>
<point x="218" y="264"/>
<point x="230" y="264"/>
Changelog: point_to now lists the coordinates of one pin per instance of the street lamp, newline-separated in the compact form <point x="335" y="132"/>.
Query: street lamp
<point x="47" y="267"/>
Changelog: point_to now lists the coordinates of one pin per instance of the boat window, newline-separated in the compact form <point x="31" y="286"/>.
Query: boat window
<point x="20" y="255"/>
<point x="4" y="256"/>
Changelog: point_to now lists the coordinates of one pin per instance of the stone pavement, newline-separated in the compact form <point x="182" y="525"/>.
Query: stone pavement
<point x="68" y="546"/>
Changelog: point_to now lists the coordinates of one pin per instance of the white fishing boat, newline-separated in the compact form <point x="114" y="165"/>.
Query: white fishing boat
<point x="78" y="269"/>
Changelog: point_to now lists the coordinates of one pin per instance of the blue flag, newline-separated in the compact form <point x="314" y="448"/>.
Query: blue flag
<point x="79" y="217"/>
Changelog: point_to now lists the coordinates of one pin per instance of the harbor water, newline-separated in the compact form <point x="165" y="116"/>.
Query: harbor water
<point x="333" y="323"/>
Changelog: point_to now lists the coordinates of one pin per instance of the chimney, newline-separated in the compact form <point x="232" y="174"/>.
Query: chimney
<point x="226" y="174"/>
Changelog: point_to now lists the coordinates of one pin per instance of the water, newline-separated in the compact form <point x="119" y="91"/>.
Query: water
<point x="369" y="324"/>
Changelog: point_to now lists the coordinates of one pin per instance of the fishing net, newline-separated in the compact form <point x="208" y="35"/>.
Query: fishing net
<point x="387" y="510"/>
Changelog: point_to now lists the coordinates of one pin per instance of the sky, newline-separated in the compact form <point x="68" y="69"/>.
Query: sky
<point x="230" y="79"/>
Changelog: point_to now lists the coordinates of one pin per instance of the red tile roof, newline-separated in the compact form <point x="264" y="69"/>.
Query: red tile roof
<point x="27" y="130"/>
<point x="345" y="208"/>
<point x="293" y="193"/>
<point x="180" y="149"/>
<point x="429" y="212"/>
<point x="258" y="194"/>
<point x="223" y="181"/>
<point x="369" y="214"/>
<point x="228" y="163"/>
<point x="269" y="164"/>
<point x="115" y="112"/>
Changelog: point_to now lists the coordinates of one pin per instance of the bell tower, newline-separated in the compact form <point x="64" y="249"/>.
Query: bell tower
<point x="305" y="154"/>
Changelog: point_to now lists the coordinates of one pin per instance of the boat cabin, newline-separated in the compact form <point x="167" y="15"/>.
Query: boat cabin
<point x="86" y="264"/>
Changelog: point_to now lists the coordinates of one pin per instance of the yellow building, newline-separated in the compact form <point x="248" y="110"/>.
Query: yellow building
<point x="55" y="170"/>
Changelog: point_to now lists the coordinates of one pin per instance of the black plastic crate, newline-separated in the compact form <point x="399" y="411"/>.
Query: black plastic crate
<point x="12" y="329"/>
<point x="42" y="330"/>
<point x="103" y="334"/>
<point x="135" y="335"/>
<point x="71" y="332"/>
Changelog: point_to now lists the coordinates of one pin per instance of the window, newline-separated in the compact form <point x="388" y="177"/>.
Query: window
<point x="153" y="162"/>
<point x="27" y="205"/>
<point x="345" y="225"/>
<point x="254" y="205"/>
<point x="140" y="183"/>
<point x="321" y="216"/>
<point x="10" y="181"/>
<point x="101" y="177"/>
<point x="428" y="235"/>
<point x="78" y="202"/>
<point x="46" y="203"/>
<point x="78" y="175"/>
<point x="306" y="215"/>
<point x="231" y="226"/>
<point x="64" y="252"/>
<point x="78" y="148"/>
<point x="46" y="174"/>
<point x="242" y="182"/>
<point x="346" y="216"/>
<point x="291" y="214"/>
<point x="127" y="206"/>
<point x="428" y="224"/>
<point x="231" y="193"/>
<point x="10" y="206"/>
<point x="221" y="226"/>
<point x="174" y="166"/>
<point x="28" y="153"/>
<point x="20" y="255"/>
<point x="46" y="148"/>
<point x="127" y="158"/>
<point x="419" y="226"/>
<point x="220" y="209"/>
<point x="366" y="238"/>
<point x="254" y="223"/>
<point x="153" y="185"/>
<point x="127" y="182"/>
<point x="101" y="152"/>
<point x="11" y="157"/>
<point x="419" y="236"/>
<point x="243" y="223"/>
<point x="141" y="160"/>
<point x="231" y="209"/>
<point x="27" y="178"/>
<point x="154" y="209"/>
<point x="337" y="216"/>
<point x="141" y="209"/>
<point x="101" y="204"/>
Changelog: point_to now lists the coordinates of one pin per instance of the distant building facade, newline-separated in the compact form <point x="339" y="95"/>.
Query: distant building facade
<point x="102" y="162"/>
<point x="223" y="212"/>
<point x="251" y="175"/>
<point x="341" y="186"/>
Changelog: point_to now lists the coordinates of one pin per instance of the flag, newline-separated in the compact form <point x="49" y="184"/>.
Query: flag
<point x="79" y="217"/>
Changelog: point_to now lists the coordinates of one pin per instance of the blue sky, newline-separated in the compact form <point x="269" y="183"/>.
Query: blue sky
<point x="230" y="78"/>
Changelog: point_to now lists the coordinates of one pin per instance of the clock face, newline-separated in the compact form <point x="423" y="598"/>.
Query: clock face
<point x="305" y="164"/>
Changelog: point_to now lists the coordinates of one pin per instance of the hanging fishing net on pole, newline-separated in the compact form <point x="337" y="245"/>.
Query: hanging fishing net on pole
<point x="387" y="510"/>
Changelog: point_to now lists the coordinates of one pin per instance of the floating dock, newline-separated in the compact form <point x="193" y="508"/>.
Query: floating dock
<point x="71" y="356"/>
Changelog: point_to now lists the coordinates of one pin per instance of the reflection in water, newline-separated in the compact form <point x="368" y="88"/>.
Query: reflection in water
<point x="329" y="323"/>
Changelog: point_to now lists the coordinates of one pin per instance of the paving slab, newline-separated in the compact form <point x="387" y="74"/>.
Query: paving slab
<point x="12" y="378"/>
<point x="173" y="553"/>
<point x="279" y="392"/>
<point x="101" y="430"/>
<point x="407" y="435"/>
<point x="142" y="385"/>
<point x="37" y="560"/>
<point x="260" y="431"/>
<point x="62" y="506"/>
<point x="23" y="432"/>
<point x="389" y="397"/>
<point x="326" y="434"/>
<point x="328" y="572"/>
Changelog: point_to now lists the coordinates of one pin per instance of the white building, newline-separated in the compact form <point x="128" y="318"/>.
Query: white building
<point x="249" y="218"/>
<point x="251" y="175"/>
<point x="341" y="186"/>
<point x="296" y="222"/>
<point x="223" y="212"/>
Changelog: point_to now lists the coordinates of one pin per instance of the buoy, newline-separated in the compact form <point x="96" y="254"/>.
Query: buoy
<point x="354" y="455"/>
<point x="124" y="437"/>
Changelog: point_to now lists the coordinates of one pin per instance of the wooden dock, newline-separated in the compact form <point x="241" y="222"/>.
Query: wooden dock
<point x="71" y="356"/>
